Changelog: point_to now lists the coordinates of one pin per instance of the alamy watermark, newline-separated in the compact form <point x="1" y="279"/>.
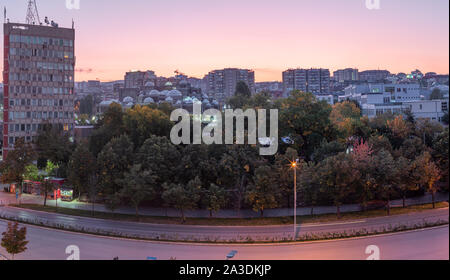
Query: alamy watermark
<point x="73" y="4"/>
<point x="373" y="4"/>
<point x="374" y="253"/>
<point x="73" y="252"/>
<point x="213" y="132"/>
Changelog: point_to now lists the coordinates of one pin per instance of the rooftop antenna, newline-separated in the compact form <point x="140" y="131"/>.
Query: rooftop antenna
<point x="32" y="13"/>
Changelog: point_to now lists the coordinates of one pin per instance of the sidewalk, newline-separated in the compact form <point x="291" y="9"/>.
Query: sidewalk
<point x="6" y="198"/>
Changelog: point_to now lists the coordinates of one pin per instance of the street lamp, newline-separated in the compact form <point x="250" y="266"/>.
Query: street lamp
<point x="294" y="165"/>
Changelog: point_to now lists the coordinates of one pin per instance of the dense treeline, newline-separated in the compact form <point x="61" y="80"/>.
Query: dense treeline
<point x="344" y="158"/>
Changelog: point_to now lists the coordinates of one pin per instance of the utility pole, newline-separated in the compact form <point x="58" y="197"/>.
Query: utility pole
<point x="32" y="13"/>
<point x="294" y="165"/>
<point x="295" y="201"/>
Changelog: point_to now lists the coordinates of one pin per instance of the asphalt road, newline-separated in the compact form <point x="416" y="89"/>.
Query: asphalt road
<point x="47" y="244"/>
<point x="181" y="232"/>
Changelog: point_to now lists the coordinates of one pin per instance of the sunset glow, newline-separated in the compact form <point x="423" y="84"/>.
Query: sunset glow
<point x="197" y="36"/>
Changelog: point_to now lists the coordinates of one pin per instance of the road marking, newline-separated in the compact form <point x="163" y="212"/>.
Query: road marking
<point x="333" y="224"/>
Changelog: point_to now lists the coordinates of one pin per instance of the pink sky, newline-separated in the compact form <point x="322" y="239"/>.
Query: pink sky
<point x="196" y="36"/>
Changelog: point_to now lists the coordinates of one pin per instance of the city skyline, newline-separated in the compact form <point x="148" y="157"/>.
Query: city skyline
<point x="273" y="37"/>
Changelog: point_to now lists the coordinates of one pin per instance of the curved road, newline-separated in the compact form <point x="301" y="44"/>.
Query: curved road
<point x="182" y="232"/>
<point x="47" y="244"/>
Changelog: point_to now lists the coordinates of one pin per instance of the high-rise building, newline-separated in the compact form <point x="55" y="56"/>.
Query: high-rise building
<point x="137" y="79"/>
<point x="222" y="83"/>
<point x="345" y="75"/>
<point x="372" y="76"/>
<point x="38" y="76"/>
<point x="315" y="81"/>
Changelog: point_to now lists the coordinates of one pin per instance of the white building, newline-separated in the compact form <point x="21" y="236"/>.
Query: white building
<point x="432" y="110"/>
<point x="328" y="98"/>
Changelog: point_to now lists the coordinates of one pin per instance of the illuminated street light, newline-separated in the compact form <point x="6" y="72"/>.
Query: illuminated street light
<point x="294" y="166"/>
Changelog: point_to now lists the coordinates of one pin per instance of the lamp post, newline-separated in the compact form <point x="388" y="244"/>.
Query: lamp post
<point x="294" y="166"/>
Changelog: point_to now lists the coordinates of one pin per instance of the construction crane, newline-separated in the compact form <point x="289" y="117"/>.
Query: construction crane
<point x="32" y="13"/>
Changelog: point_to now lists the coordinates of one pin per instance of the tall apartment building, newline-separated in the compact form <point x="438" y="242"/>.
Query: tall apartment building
<point x="372" y="76"/>
<point x="344" y="75"/>
<point x="38" y="77"/>
<point x="222" y="83"/>
<point x="316" y="81"/>
<point x="137" y="79"/>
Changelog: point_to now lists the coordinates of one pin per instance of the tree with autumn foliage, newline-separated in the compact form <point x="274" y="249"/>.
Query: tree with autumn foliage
<point x="14" y="239"/>
<point x="363" y="163"/>
<point x="428" y="174"/>
<point x="400" y="130"/>
<point x="346" y="116"/>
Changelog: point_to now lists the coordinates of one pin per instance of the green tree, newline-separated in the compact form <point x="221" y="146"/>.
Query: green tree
<point x="81" y="166"/>
<point x="31" y="173"/>
<point x="310" y="184"/>
<point x="13" y="168"/>
<point x="440" y="154"/>
<point x="138" y="185"/>
<point x="427" y="131"/>
<point x="214" y="199"/>
<point x="338" y="178"/>
<point x="243" y="89"/>
<point x="405" y="180"/>
<point x="182" y="197"/>
<point x="411" y="148"/>
<point x="141" y="122"/>
<point x="306" y="121"/>
<point x="46" y="185"/>
<point x="14" y="239"/>
<point x="162" y="157"/>
<point x="327" y="149"/>
<point x="113" y="162"/>
<point x="236" y="168"/>
<point x="241" y="96"/>
<point x="109" y="126"/>
<point x="262" y="193"/>
<point x="262" y="100"/>
<point x="284" y="174"/>
<point x="53" y="144"/>
<point x="196" y="162"/>
<point x="384" y="173"/>
<point x="112" y="201"/>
